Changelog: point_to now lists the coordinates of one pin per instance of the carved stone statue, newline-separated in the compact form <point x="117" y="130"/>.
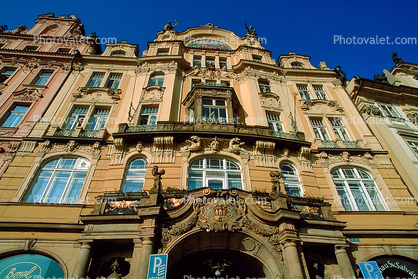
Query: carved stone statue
<point x="19" y="30"/>
<point x="235" y="145"/>
<point x="169" y="26"/>
<point x="275" y="180"/>
<point x="115" y="268"/>
<point x="371" y="110"/>
<point x="3" y="28"/>
<point x="382" y="78"/>
<point x="194" y="144"/>
<point x="250" y="31"/>
<point x="341" y="74"/>
<point x="396" y="59"/>
<point x="157" y="179"/>
<point x="215" y="144"/>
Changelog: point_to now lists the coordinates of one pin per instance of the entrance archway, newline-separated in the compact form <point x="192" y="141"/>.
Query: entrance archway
<point x="236" y="254"/>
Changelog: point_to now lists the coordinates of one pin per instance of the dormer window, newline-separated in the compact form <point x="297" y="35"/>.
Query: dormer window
<point x="118" y="53"/>
<point x="163" y="51"/>
<point x="297" y="65"/>
<point x="257" y="58"/>
<point x="63" y="51"/>
<point x="30" y="48"/>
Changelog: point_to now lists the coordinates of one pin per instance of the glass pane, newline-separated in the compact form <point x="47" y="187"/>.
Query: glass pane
<point x="344" y="197"/>
<point x="220" y="102"/>
<point x="66" y="163"/>
<point x="75" y="188"/>
<point x="292" y="190"/>
<point x="136" y="173"/>
<point x="349" y="173"/>
<point x="215" y="184"/>
<point x="39" y="185"/>
<point x="133" y="185"/>
<point x="375" y="196"/>
<point x="138" y="164"/>
<point x="58" y="184"/>
<point x="234" y="183"/>
<point x="214" y="164"/>
<point x="359" y="196"/>
<point x="215" y="174"/>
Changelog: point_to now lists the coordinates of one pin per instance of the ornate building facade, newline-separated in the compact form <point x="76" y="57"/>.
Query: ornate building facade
<point x="208" y="150"/>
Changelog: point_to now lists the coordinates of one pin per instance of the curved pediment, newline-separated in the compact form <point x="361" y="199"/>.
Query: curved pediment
<point x="97" y="94"/>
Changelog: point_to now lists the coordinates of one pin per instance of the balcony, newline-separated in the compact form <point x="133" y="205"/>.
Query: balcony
<point x="340" y="144"/>
<point x="141" y="128"/>
<point x="329" y="144"/>
<point x="78" y="132"/>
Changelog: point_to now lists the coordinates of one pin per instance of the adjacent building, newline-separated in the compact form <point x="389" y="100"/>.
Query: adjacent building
<point x="206" y="149"/>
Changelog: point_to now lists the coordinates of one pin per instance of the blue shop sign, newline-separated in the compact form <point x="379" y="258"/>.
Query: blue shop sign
<point x="29" y="266"/>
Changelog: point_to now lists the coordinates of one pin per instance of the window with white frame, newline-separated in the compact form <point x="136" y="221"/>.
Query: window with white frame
<point x="264" y="85"/>
<point x="291" y="180"/>
<point x="149" y="115"/>
<point x="214" y="110"/>
<point x="98" y="119"/>
<point x="76" y="118"/>
<point x="274" y="122"/>
<point x="15" y="115"/>
<point x="320" y="92"/>
<point x="156" y="79"/>
<point x="319" y="129"/>
<point x="197" y="61"/>
<point x="96" y="80"/>
<point x="339" y="129"/>
<point x="215" y="173"/>
<point x="6" y="73"/>
<point x="43" y="77"/>
<point x="118" y="53"/>
<point x="357" y="190"/>
<point x="113" y="81"/>
<point x="389" y="110"/>
<point x="58" y="181"/>
<point x="135" y="176"/>
<point x="304" y="92"/>
<point x="414" y="146"/>
<point x="222" y="63"/>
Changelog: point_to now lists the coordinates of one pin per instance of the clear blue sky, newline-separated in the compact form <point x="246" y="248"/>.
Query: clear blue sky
<point x="302" y="26"/>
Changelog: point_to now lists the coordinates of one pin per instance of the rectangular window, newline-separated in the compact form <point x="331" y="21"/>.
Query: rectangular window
<point x="339" y="129"/>
<point x="76" y="118"/>
<point x="98" y="120"/>
<point x="225" y="83"/>
<point x="15" y="116"/>
<point x="113" y="81"/>
<point x="214" y="110"/>
<point x="210" y="61"/>
<point x="414" y="146"/>
<point x="149" y="116"/>
<point x="320" y="93"/>
<point x="264" y="86"/>
<point x="304" y="92"/>
<point x="163" y="51"/>
<point x="222" y="63"/>
<point x="257" y="58"/>
<point x="96" y="80"/>
<point x="30" y="48"/>
<point x="389" y="110"/>
<point x="319" y="129"/>
<point x="63" y="51"/>
<point x="43" y="78"/>
<point x="197" y="61"/>
<point x="195" y="82"/>
<point x="274" y="123"/>
<point x="6" y="74"/>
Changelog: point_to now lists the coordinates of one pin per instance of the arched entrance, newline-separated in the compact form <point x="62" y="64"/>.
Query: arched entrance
<point x="236" y="254"/>
<point x="396" y="266"/>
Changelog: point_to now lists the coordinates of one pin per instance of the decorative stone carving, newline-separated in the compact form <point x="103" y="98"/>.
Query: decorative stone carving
<point x="157" y="186"/>
<point x="235" y="145"/>
<point x="117" y="151"/>
<point x="371" y="110"/>
<point x="97" y="94"/>
<point x="28" y="94"/>
<point x="139" y="146"/>
<point x="209" y="74"/>
<point x="215" y="144"/>
<point x="7" y="132"/>
<point x="72" y="145"/>
<point x="220" y="214"/>
<point x="413" y="117"/>
<point x="163" y="150"/>
<point x="152" y="94"/>
<point x="26" y="148"/>
<point x="45" y="146"/>
<point x="270" y="101"/>
<point x="275" y="181"/>
<point x="195" y="143"/>
<point x="158" y="67"/>
<point x="96" y="148"/>
<point x="122" y="207"/>
<point x="270" y="233"/>
<point x="323" y="65"/>
<point x="264" y="154"/>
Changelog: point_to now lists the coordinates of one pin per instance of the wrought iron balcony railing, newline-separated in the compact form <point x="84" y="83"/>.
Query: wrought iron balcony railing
<point x="64" y="133"/>
<point x="141" y="128"/>
<point x="329" y="144"/>
<point x="350" y="144"/>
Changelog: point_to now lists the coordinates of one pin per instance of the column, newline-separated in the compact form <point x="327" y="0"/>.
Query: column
<point x="344" y="262"/>
<point x="82" y="261"/>
<point x="136" y="257"/>
<point x="147" y="246"/>
<point x="292" y="261"/>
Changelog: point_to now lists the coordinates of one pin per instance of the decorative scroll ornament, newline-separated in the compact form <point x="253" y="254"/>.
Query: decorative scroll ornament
<point x="235" y="145"/>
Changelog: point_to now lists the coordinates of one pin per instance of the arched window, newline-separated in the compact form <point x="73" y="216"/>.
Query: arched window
<point x="156" y="79"/>
<point x="59" y="181"/>
<point x="135" y="176"/>
<point x="297" y="65"/>
<point x="216" y="173"/>
<point x="291" y="180"/>
<point x="357" y="190"/>
<point x="118" y="53"/>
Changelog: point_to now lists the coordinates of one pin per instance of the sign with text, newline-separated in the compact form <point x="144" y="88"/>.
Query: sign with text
<point x="370" y="270"/>
<point x="157" y="268"/>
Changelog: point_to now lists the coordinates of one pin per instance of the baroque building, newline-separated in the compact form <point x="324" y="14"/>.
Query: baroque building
<point x="206" y="149"/>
